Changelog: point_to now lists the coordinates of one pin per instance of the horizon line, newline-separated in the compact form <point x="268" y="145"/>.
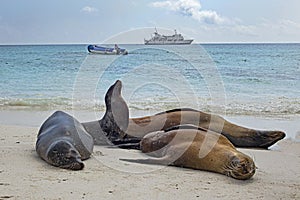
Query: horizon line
<point x="197" y="43"/>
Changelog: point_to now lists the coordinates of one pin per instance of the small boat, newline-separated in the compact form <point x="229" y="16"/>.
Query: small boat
<point x="106" y="50"/>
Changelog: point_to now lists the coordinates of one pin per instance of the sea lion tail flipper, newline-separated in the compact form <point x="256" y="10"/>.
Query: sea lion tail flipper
<point x="116" y="119"/>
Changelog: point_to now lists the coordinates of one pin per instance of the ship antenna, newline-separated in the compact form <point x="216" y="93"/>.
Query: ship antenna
<point x="155" y="30"/>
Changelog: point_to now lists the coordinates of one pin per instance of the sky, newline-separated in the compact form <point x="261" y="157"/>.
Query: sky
<point x="130" y="21"/>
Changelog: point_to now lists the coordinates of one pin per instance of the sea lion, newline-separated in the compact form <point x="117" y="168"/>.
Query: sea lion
<point x="115" y="127"/>
<point x="238" y="135"/>
<point x="125" y="130"/>
<point x="63" y="142"/>
<point x="182" y="148"/>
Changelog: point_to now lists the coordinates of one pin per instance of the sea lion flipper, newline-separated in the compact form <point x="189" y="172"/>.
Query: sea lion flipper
<point x="112" y="127"/>
<point x="178" y="110"/>
<point x="127" y="143"/>
<point x="116" y="118"/>
<point x="184" y="126"/>
<point x="129" y="146"/>
<point x="154" y="161"/>
<point x="268" y="138"/>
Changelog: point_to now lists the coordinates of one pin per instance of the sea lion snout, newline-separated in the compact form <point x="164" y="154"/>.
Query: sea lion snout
<point x="64" y="155"/>
<point x="78" y="165"/>
<point x="75" y="158"/>
<point x="241" y="167"/>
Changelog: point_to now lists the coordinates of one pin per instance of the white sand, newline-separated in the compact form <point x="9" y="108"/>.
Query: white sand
<point x="23" y="175"/>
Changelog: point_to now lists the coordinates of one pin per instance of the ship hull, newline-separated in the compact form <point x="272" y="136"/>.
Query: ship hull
<point x="183" y="42"/>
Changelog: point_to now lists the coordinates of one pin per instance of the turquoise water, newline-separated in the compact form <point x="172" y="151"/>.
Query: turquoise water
<point x="250" y="79"/>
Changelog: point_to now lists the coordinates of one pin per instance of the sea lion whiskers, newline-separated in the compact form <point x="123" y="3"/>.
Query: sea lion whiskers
<point x="240" y="167"/>
<point x="63" y="154"/>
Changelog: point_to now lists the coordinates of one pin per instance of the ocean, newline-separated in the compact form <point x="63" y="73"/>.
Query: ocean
<point x="234" y="79"/>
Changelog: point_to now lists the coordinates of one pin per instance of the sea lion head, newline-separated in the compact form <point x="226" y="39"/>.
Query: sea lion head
<point x="63" y="154"/>
<point x="240" y="166"/>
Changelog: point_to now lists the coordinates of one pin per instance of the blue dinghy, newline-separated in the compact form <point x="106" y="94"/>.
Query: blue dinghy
<point x="106" y="50"/>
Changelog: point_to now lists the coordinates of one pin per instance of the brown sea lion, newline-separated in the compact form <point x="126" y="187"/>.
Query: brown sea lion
<point x="238" y="135"/>
<point x="115" y="127"/>
<point x="183" y="148"/>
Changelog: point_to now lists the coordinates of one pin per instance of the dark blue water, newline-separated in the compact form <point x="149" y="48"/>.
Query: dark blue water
<point x="239" y="78"/>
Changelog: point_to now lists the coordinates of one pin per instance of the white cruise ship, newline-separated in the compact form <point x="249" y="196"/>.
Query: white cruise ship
<point x="159" y="39"/>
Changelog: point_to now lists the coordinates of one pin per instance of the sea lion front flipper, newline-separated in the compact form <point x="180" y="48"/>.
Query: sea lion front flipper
<point x="184" y="126"/>
<point x="165" y="160"/>
<point x="136" y="146"/>
<point x="127" y="143"/>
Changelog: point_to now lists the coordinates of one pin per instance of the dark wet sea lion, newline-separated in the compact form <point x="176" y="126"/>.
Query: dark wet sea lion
<point x="238" y="135"/>
<point x="111" y="128"/>
<point x="63" y="142"/>
<point x="182" y="148"/>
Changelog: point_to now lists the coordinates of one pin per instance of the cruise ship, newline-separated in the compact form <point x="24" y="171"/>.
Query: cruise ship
<point x="159" y="39"/>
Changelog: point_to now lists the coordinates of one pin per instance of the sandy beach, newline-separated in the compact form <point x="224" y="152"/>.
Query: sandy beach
<point x="23" y="175"/>
<point x="218" y="57"/>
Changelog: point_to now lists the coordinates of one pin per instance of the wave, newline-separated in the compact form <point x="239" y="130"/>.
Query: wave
<point x="35" y="103"/>
<point x="276" y="107"/>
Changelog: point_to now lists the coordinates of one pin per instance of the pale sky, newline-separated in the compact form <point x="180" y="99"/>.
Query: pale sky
<point x="93" y="21"/>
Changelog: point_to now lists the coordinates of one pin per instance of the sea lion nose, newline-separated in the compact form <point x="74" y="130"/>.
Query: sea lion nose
<point x="247" y="169"/>
<point x="79" y="165"/>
